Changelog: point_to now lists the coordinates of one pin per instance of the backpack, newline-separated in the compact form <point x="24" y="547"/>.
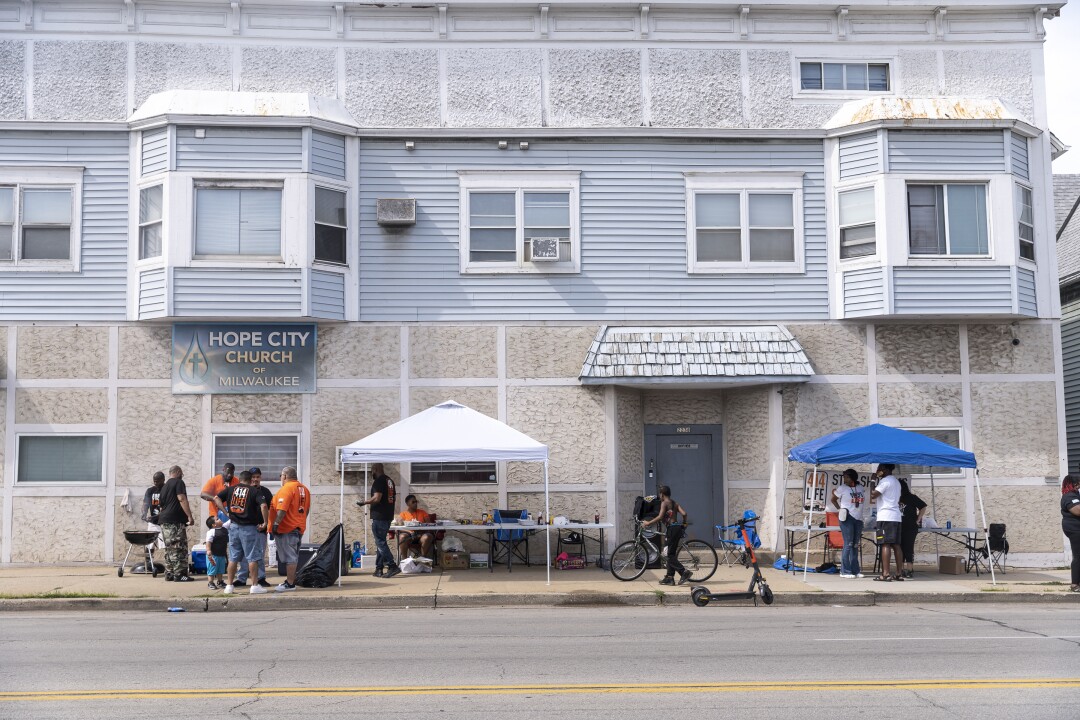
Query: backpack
<point x="646" y="508"/>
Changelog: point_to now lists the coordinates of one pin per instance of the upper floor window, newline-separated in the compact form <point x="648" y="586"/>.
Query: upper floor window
<point x="520" y="222"/>
<point x="36" y="224"/>
<point x="947" y="219"/>
<point x="63" y="459"/>
<point x="237" y="219"/>
<point x="858" y="234"/>
<point x="865" y="77"/>
<point x="331" y="226"/>
<point x="150" y="216"/>
<point x="743" y="223"/>
<point x="1025" y="223"/>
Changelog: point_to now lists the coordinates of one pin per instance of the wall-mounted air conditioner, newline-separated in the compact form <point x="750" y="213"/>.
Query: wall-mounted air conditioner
<point x="544" y="249"/>
<point x="395" y="211"/>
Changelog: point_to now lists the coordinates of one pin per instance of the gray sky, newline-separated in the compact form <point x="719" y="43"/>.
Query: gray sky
<point x="1062" y="53"/>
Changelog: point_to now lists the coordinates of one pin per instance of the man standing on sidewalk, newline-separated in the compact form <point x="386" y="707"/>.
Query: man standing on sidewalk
<point x="383" y="497"/>
<point x="263" y="496"/>
<point x="288" y="519"/>
<point x="248" y="520"/>
<point x="175" y="517"/>
<point x="216" y="484"/>
<point x="151" y="509"/>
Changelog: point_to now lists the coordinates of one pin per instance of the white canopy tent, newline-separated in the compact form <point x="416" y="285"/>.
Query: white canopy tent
<point x="448" y="432"/>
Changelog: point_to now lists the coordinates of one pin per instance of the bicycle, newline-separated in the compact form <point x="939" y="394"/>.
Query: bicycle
<point x="631" y="558"/>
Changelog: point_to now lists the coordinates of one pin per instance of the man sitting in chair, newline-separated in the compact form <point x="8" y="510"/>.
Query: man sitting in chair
<point x="408" y="539"/>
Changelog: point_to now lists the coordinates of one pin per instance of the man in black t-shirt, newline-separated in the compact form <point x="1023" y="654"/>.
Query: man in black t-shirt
<point x="151" y="508"/>
<point x="382" y="500"/>
<point x="249" y="516"/>
<point x="265" y="497"/>
<point x="174" y="518"/>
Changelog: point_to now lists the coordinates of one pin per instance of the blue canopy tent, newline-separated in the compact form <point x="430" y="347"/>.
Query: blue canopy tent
<point x="883" y="444"/>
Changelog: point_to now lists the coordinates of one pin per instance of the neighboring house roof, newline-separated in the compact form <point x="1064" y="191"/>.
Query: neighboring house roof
<point x="1066" y="195"/>
<point x="695" y="355"/>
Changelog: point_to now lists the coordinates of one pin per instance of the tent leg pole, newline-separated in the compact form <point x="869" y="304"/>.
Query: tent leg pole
<point x="933" y="506"/>
<point x="341" y="517"/>
<point x="809" y="526"/>
<point x="547" y="516"/>
<point x="985" y="527"/>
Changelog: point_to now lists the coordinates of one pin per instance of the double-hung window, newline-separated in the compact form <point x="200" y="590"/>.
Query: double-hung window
<point x="947" y="219"/>
<point x="858" y="233"/>
<point x="331" y="226"/>
<point x="1025" y="222"/>
<point x="150" y="217"/>
<point x="37" y="219"/>
<point x="237" y="219"/>
<point x="744" y="223"/>
<point x="844" y="76"/>
<point x="519" y="222"/>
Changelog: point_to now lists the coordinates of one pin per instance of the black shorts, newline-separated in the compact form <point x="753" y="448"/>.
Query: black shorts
<point x="888" y="533"/>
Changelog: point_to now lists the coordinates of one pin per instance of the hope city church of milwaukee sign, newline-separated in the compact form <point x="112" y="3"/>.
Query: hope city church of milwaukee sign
<point x="243" y="358"/>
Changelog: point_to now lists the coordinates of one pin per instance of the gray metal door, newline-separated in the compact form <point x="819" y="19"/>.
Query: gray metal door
<point x="687" y="458"/>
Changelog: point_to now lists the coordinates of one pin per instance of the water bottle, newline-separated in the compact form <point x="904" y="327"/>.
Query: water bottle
<point x="948" y="524"/>
<point x="176" y="609"/>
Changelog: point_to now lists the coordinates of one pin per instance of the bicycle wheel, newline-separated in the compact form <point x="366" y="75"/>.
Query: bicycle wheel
<point x="629" y="561"/>
<point x="699" y="557"/>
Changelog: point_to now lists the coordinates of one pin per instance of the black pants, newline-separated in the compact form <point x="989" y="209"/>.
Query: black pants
<point x="675" y="534"/>
<point x="907" y="542"/>
<point x="1074" y="540"/>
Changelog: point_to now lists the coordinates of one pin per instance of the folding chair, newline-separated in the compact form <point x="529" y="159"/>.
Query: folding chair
<point x="508" y="544"/>
<point x="571" y="539"/>
<point x="997" y="546"/>
<point x="834" y="539"/>
<point x="732" y="545"/>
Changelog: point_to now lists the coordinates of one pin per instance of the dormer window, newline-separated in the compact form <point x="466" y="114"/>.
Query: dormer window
<point x="844" y="77"/>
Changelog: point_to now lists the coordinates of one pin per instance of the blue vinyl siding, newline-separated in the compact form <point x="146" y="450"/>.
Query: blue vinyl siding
<point x="327" y="295"/>
<point x="1019" y="146"/>
<point x="952" y="291"/>
<point x="240" y="149"/>
<point x="199" y="292"/>
<point x="859" y="155"/>
<point x="633" y="235"/>
<point x="864" y="292"/>
<point x="99" y="290"/>
<point x="1070" y="360"/>
<point x="152" y="294"/>
<point x="155" y="151"/>
<point x="1025" y="292"/>
<point x="952" y="152"/>
<point x="328" y="155"/>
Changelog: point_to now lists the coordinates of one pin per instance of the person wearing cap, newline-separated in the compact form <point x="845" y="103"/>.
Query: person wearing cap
<point x="216" y="484"/>
<point x="289" y="512"/>
<point x="263" y="496"/>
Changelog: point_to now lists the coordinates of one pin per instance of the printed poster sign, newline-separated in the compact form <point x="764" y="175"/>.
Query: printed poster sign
<point x="243" y="358"/>
<point x="814" y="494"/>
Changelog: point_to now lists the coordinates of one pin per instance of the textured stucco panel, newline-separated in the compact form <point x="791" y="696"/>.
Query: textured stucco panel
<point x="771" y="86"/>
<point x="181" y="66"/>
<point x="12" y="83"/>
<point x="746" y="434"/>
<point x="80" y="80"/>
<point x="595" y="87"/>
<point x="3" y="432"/>
<point x="534" y="351"/>
<point x="624" y="524"/>
<point x="493" y="87"/>
<point x="570" y="421"/>
<point x="145" y="352"/>
<point x="630" y="435"/>
<point x="256" y="408"/>
<point x="3" y="352"/>
<point x="919" y="400"/>
<point x="266" y="68"/>
<point x="813" y="410"/>
<point x="155" y="430"/>
<point x="456" y="351"/>
<point x="908" y="349"/>
<point x="63" y="352"/>
<point x="919" y="73"/>
<point x="393" y="88"/>
<point x="1014" y="429"/>
<point x="833" y="348"/>
<point x="41" y="534"/>
<point x="999" y="73"/>
<point x="40" y="406"/>
<point x="340" y="416"/>
<point x="481" y="399"/>
<point x="355" y="351"/>
<point x="695" y="88"/>
<point x="741" y="499"/>
<point x="1031" y="517"/>
<point x="682" y="407"/>
<point x="990" y="348"/>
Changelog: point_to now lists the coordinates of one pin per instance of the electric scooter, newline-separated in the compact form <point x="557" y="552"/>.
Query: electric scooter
<point x="701" y="595"/>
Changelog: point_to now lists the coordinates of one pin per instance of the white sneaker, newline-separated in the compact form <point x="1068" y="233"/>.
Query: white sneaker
<point x="859" y="575"/>
<point x="845" y="575"/>
<point x="257" y="589"/>
<point x="229" y="589"/>
<point x="284" y="587"/>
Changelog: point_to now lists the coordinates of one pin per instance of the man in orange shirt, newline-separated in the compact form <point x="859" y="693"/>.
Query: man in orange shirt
<point x="288" y="520"/>
<point x="408" y="538"/>
<point x="216" y="484"/>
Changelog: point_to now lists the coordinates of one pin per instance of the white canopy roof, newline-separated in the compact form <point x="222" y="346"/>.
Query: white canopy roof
<point x="447" y="432"/>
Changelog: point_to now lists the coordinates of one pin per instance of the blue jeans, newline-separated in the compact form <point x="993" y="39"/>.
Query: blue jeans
<point x="383" y="557"/>
<point x="246" y="544"/>
<point x="851" y="529"/>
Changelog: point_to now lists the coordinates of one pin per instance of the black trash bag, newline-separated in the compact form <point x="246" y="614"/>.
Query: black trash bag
<point x="323" y="568"/>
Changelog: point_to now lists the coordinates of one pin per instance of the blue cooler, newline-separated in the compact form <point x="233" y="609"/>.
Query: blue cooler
<point x="198" y="562"/>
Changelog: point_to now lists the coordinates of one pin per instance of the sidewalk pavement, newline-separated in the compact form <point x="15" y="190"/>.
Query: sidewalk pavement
<point x="97" y="587"/>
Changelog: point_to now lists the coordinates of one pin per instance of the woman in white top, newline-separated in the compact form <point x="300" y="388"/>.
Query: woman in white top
<point x="849" y="498"/>
<point x="887" y="495"/>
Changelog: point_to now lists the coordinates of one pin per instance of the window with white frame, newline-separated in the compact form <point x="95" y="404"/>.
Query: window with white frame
<point x="331" y="226"/>
<point x="949" y="436"/>
<point x="844" y="76"/>
<point x="36" y="224"/>
<point x="858" y="234"/>
<point x="237" y="219"/>
<point x="453" y="473"/>
<point x="519" y="222"/>
<point x="269" y="453"/>
<point x="744" y="223"/>
<point x="61" y="459"/>
<point x="150" y="216"/>
<point x="947" y="219"/>
<point x="1025" y="223"/>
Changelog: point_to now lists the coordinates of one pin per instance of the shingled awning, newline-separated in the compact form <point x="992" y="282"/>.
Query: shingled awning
<point x="745" y="355"/>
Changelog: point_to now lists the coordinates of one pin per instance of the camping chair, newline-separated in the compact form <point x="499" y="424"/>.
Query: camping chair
<point x="571" y="538"/>
<point x="508" y="543"/>
<point x="732" y="544"/>
<point x="997" y="546"/>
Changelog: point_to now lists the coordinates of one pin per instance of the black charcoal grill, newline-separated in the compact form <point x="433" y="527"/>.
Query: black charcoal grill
<point x="140" y="538"/>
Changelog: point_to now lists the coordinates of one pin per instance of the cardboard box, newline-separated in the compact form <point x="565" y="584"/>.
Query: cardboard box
<point x="951" y="565"/>
<point x="478" y="560"/>
<point x="453" y="560"/>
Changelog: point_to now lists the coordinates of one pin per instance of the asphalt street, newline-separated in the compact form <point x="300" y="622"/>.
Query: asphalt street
<point x="941" y="661"/>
